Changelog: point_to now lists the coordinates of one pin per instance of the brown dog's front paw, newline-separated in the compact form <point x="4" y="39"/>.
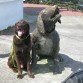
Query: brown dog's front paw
<point x="15" y="70"/>
<point x="19" y="76"/>
<point x="31" y="76"/>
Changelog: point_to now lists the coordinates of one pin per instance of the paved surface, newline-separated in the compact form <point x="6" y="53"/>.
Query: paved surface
<point x="71" y="49"/>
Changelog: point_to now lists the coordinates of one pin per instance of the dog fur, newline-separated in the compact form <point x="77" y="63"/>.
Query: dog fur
<point x="45" y="39"/>
<point x="21" y="49"/>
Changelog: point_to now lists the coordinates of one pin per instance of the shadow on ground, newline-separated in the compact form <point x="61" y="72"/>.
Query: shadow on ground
<point x="48" y="67"/>
<point x="4" y="55"/>
<point x="67" y="63"/>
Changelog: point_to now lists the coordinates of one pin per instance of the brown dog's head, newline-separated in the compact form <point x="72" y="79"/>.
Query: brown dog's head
<point x="22" y="29"/>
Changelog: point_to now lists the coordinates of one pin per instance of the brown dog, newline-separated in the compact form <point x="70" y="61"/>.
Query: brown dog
<point x="20" y="55"/>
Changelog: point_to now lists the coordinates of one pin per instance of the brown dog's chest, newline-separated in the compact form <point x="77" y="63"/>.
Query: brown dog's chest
<point x="22" y="52"/>
<point x="24" y="44"/>
<point x="22" y="49"/>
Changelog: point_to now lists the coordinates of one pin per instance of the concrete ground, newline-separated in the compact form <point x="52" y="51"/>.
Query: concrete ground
<point x="71" y="49"/>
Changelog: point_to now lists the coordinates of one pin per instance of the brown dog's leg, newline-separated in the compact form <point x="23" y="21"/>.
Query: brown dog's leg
<point x="29" y="71"/>
<point x="19" y="68"/>
<point x="10" y="64"/>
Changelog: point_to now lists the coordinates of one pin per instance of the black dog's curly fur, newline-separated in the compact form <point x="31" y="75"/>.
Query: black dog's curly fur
<point x="45" y="38"/>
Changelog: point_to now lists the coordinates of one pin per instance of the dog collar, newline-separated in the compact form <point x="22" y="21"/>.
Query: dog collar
<point x="22" y="38"/>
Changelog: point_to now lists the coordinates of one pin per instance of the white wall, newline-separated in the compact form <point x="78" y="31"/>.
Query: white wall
<point x="11" y="11"/>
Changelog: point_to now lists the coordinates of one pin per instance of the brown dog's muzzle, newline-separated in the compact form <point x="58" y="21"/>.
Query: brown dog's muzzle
<point x="20" y="33"/>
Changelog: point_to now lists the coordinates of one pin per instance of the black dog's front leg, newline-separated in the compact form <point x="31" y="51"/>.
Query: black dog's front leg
<point x="57" y="66"/>
<point x="34" y="59"/>
<point x="35" y="47"/>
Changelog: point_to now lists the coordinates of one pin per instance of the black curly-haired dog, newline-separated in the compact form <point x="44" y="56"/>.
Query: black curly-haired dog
<point x="21" y="47"/>
<point x="45" y="38"/>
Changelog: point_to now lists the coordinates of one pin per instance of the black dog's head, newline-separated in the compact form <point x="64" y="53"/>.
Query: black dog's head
<point x="48" y="18"/>
<point x="22" y="29"/>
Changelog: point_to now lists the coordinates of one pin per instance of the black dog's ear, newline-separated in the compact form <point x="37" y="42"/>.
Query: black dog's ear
<point x="43" y="16"/>
<point x="57" y="12"/>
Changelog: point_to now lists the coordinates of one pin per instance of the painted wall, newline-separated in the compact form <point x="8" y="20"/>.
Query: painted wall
<point x="11" y="11"/>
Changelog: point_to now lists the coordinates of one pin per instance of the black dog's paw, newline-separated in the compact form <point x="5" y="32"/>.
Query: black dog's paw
<point x="38" y="58"/>
<point x="57" y="69"/>
<point x="60" y="58"/>
<point x="56" y="72"/>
